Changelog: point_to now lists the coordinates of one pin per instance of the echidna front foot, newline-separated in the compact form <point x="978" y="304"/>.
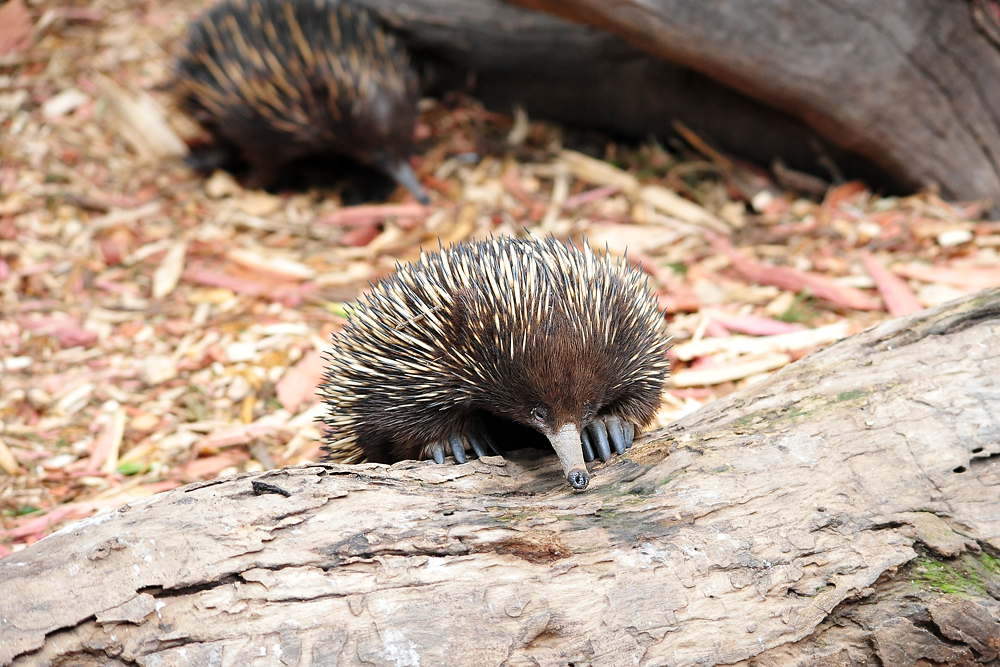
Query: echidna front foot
<point x="459" y="446"/>
<point x="600" y="435"/>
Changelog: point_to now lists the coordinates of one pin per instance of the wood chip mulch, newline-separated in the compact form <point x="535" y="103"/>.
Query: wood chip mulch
<point x="158" y="327"/>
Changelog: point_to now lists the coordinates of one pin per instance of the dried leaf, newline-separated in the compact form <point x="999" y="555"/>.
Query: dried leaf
<point x="670" y="203"/>
<point x="786" y="342"/>
<point x="259" y="203"/>
<point x="282" y="268"/>
<point x="63" y="103"/>
<point x="142" y="123"/>
<point x="364" y="216"/>
<point x="299" y="384"/>
<point x="169" y="272"/>
<point x="599" y="172"/>
<point x="210" y="466"/>
<point x="756" y="325"/>
<point x="629" y="240"/>
<point x="729" y="372"/>
<point x="796" y="281"/>
<point x="850" y="192"/>
<point x="222" y="184"/>
<point x="590" y="196"/>
<point x="971" y="279"/>
<point x="240" y="435"/>
<point x="107" y="446"/>
<point x="520" y="128"/>
<point x="899" y="298"/>
<point x="7" y="461"/>
<point x="15" y="27"/>
<point x="44" y="523"/>
<point x="359" y="237"/>
<point x="118" y="217"/>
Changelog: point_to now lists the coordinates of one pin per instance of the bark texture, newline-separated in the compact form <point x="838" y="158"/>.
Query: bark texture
<point x="590" y="79"/>
<point x="909" y="86"/>
<point x="844" y="511"/>
<point x="912" y="84"/>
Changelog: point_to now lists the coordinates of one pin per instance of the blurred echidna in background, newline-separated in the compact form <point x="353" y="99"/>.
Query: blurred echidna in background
<point x="279" y="80"/>
<point x="496" y="345"/>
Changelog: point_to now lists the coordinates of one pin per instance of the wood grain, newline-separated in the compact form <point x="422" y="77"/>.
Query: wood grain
<point x="742" y="532"/>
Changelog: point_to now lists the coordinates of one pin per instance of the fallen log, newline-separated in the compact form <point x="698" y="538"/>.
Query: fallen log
<point x="906" y="93"/>
<point x="846" y="508"/>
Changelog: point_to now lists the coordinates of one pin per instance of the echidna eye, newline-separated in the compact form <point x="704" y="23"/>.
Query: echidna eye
<point x="540" y="414"/>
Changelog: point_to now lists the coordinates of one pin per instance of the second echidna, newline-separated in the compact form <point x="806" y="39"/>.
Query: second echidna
<point x="279" y="80"/>
<point x="496" y="345"/>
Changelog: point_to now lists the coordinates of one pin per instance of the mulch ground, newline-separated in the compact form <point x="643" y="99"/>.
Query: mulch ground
<point x="159" y="327"/>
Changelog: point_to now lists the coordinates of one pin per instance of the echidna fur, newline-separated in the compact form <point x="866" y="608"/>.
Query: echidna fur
<point x="496" y="345"/>
<point x="278" y="80"/>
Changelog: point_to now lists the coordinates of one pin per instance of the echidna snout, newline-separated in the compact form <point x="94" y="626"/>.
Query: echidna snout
<point x="567" y="443"/>
<point x="401" y="172"/>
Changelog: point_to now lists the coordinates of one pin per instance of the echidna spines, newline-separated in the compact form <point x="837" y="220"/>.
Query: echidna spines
<point x="486" y="336"/>
<point x="281" y="79"/>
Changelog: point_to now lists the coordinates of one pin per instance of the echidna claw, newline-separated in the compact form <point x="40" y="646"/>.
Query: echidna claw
<point x="615" y="433"/>
<point x="599" y="438"/>
<point x="436" y="450"/>
<point x="476" y="442"/>
<point x="600" y="435"/>
<point x="490" y="445"/>
<point x="588" y="450"/>
<point x="458" y="449"/>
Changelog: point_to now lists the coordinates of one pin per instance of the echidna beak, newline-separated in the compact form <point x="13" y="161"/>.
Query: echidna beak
<point x="404" y="175"/>
<point x="566" y="442"/>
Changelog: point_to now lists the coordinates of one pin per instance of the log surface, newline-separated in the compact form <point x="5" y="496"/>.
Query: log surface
<point x="747" y="530"/>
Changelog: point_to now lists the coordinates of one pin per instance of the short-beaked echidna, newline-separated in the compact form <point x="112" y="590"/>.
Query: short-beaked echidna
<point x="496" y="345"/>
<point x="278" y="80"/>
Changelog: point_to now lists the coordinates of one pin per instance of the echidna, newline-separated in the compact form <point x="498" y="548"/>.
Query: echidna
<point x="496" y="345"/>
<point x="278" y="80"/>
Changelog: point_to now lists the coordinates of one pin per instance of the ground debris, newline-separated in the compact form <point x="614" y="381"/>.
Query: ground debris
<point x="158" y="327"/>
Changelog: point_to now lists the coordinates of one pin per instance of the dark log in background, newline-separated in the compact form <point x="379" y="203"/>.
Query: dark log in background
<point x="905" y="92"/>
<point x="845" y="511"/>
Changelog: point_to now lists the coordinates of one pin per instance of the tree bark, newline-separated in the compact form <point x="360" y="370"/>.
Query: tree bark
<point x="846" y="508"/>
<point x="909" y="89"/>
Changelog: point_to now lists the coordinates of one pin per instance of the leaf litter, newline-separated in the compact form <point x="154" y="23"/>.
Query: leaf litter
<point x="159" y="327"/>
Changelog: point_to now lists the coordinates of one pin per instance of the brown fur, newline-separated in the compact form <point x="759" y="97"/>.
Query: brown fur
<point x="508" y="337"/>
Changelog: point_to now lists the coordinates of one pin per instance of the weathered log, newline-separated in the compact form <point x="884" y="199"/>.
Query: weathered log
<point x="845" y="508"/>
<point x="585" y="78"/>
<point x="912" y="86"/>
